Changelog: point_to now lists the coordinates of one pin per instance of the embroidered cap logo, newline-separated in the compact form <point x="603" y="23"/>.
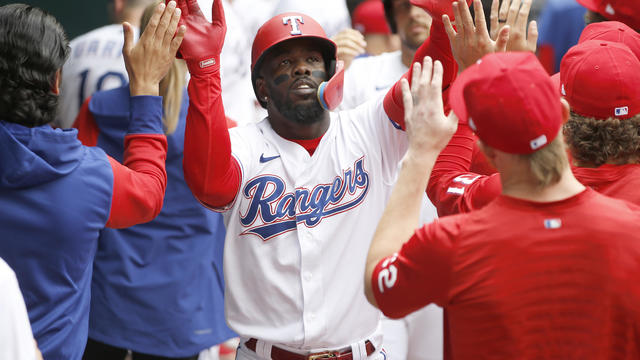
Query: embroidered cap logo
<point x="293" y="21"/>
<point x="622" y="111"/>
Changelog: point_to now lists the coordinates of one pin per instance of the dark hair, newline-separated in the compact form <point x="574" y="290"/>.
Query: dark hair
<point x="388" y="14"/>
<point x="594" y="142"/>
<point x="591" y="17"/>
<point x="33" y="46"/>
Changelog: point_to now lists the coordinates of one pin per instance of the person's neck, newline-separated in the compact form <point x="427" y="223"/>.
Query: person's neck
<point x="292" y="130"/>
<point x="520" y="186"/>
<point x="407" y="54"/>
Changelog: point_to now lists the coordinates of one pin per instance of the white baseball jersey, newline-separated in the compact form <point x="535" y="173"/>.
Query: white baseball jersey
<point x="420" y="335"/>
<point x="16" y="338"/>
<point x="95" y="63"/>
<point x="299" y="230"/>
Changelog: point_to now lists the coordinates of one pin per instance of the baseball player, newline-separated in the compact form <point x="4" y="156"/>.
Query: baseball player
<point x="602" y="138"/>
<point x="616" y="10"/>
<point x="412" y="24"/>
<point x="95" y="62"/>
<point x="300" y="188"/>
<point x="548" y="270"/>
<point x="141" y="272"/>
<point x="418" y="336"/>
<point x="16" y="337"/>
<point x="57" y="195"/>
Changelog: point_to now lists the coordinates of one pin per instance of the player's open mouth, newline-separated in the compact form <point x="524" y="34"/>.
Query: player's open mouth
<point x="303" y="87"/>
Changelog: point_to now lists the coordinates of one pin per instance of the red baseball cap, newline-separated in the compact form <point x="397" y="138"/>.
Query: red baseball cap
<point x="368" y="18"/>
<point x="601" y="79"/>
<point x="509" y="101"/>
<point x="626" y="11"/>
<point x="614" y="31"/>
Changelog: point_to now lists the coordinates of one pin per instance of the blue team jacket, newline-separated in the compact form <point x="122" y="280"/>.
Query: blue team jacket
<point x="55" y="197"/>
<point x="158" y="287"/>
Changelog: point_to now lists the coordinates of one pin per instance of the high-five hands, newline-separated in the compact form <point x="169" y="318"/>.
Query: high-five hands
<point x="515" y="16"/>
<point x="470" y="42"/>
<point x="149" y="60"/>
<point x="428" y="129"/>
<point x="202" y="46"/>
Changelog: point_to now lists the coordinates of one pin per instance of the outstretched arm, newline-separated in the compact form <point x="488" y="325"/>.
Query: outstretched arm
<point x="453" y="188"/>
<point x="438" y="48"/>
<point x="209" y="169"/>
<point x="139" y="182"/>
<point x="428" y="131"/>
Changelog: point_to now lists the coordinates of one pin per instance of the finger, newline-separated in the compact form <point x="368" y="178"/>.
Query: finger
<point x="513" y="12"/>
<point x="495" y="4"/>
<point x="217" y="13"/>
<point x="448" y="27"/>
<point x="171" y="29"/>
<point x="438" y="73"/>
<point x="152" y="25"/>
<point x="349" y="44"/>
<point x="461" y="33"/>
<point x="425" y="78"/>
<point x="194" y="8"/>
<point x="407" y="100"/>
<point x="182" y="5"/>
<point x="503" y="39"/>
<point x="532" y="37"/>
<point x="177" y="40"/>
<point x="415" y="75"/>
<point x="128" y="38"/>
<point x="481" y="23"/>
<point x="504" y="10"/>
<point x="467" y="20"/>
<point x="523" y="15"/>
<point x="415" y="80"/>
<point x="165" y="20"/>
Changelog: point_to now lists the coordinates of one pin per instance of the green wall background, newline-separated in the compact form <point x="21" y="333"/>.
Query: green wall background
<point x="76" y="16"/>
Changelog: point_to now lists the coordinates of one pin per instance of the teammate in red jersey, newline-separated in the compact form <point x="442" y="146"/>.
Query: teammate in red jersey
<point x="548" y="269"/>
<point x="603" y="140"/>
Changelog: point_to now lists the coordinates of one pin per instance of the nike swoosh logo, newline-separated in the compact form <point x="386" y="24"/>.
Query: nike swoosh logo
<point x="264" y="159"/>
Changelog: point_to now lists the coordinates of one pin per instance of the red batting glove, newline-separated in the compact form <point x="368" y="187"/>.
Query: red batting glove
<point x="437" y="8"/>
<point x="203" y="41"/>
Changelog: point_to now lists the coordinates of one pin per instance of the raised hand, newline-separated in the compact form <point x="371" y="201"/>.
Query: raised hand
<point x="428" y="129"/>
<point x="514" y="15"/>
<point x="350" y="44"/>
<point x="202" y="45"/>
<point x="470" y="42"/>
<point x="149" y="60"/>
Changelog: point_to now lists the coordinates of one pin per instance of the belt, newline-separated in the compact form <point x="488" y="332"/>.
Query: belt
<point x="282" y="354"/>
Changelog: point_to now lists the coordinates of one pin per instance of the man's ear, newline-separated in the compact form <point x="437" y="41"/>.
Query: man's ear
<point x="565" y="110"/>
<point x="261" y="90"/>
<point x="55" y="88"/>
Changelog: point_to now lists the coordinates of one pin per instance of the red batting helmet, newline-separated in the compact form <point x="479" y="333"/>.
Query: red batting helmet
<point x="284" y="27"/>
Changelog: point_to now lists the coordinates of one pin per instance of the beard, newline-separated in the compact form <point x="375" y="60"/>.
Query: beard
<point x="307" y="112"/>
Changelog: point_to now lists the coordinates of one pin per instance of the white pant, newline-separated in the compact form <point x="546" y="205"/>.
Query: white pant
<point x="418" y="336"/>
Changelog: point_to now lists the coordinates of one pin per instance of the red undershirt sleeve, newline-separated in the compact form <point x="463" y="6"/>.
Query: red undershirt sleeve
<point x="452" y="187"/>
<point x="88" y="131"/>
<point x="436" y="46"/>
<point x="140" y="181"/>
<point x="212" y="173"/>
